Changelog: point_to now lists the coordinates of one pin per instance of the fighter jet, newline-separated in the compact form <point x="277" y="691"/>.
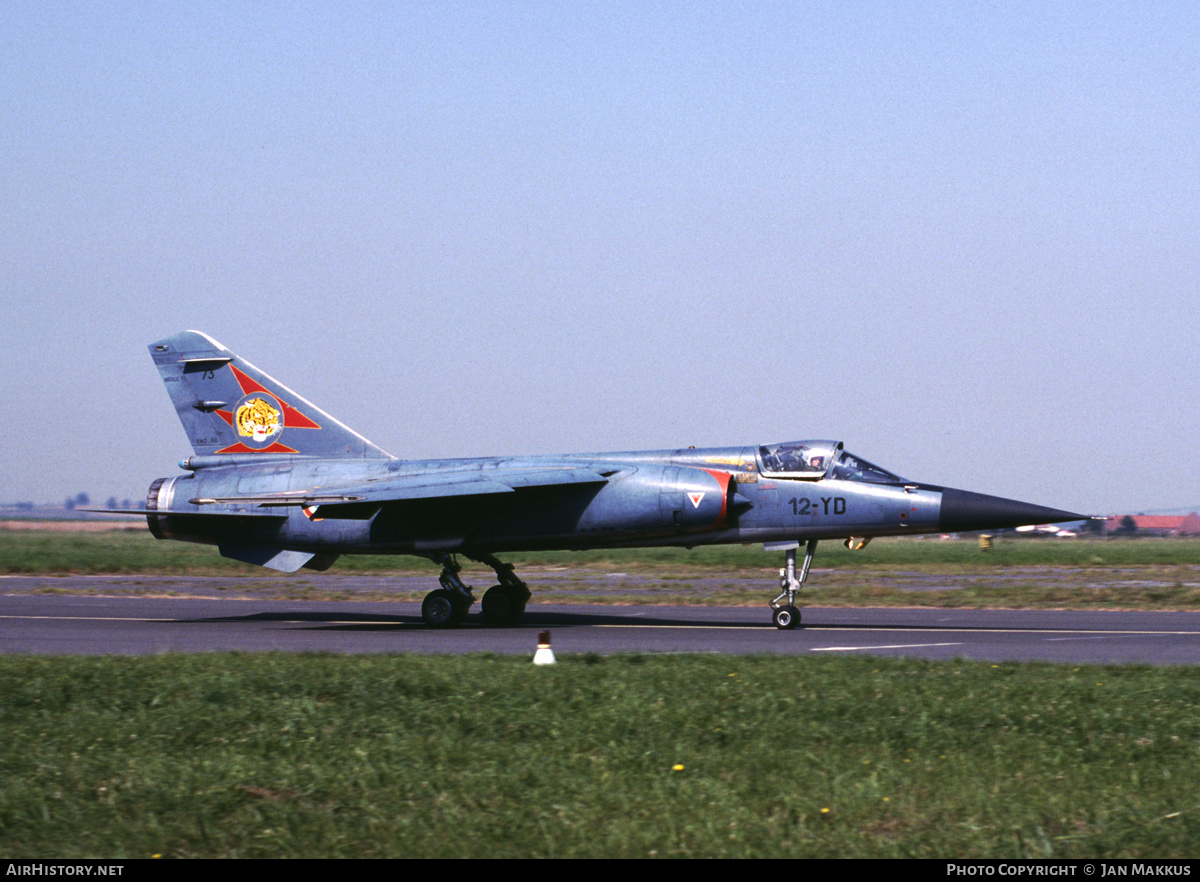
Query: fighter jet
<point x="278" y="482"/>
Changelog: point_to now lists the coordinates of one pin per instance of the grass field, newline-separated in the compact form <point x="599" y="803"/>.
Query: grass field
<point x="133" y="550"/>
<point x="1017" y="572"/>
<point x="626" y="756"/>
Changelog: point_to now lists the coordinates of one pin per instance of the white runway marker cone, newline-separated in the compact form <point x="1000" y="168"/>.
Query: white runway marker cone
<point x="544" y="654"/>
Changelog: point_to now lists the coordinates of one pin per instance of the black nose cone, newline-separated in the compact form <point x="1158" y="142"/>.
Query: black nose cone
<point x="963" y="511"/>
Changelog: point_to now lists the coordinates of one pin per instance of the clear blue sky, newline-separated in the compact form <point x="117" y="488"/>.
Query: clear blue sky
<point x="963" y="238"/>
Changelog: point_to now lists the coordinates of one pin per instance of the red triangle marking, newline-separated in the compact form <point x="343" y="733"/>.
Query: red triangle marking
<point x="242" y="448"/>
<point x="292" y="418"/>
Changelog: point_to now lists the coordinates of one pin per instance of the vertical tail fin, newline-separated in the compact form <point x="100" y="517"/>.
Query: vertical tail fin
<point x="227" y="405"/>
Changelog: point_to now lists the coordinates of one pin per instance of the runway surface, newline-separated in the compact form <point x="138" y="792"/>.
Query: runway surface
<point x="74" y="624"/>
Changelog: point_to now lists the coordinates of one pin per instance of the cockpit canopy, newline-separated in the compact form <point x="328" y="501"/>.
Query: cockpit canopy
<point x="814" y="460"/>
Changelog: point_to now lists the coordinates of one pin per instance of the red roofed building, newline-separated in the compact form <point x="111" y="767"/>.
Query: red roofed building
<point x="1156" y="525"/>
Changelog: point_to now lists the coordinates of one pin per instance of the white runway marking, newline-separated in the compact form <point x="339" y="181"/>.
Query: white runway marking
<point x="893" y="646"/>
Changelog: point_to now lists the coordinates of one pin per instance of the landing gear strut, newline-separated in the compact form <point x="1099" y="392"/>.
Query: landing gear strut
<point x="785" y="615"/>
<point x="447" y="606"/>
<point x="503" y="603"/>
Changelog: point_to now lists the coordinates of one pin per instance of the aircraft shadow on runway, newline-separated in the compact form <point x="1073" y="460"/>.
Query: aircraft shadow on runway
<point x="341" y="620"/>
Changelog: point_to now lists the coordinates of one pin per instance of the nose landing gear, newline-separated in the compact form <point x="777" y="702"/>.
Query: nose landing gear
<point x="785" y="615"/>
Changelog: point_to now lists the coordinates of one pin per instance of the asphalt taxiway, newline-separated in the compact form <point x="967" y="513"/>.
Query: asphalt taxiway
<point x="66" y="624"/>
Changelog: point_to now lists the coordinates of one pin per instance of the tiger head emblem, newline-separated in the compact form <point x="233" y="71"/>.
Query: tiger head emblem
<point x="257" y="419"/>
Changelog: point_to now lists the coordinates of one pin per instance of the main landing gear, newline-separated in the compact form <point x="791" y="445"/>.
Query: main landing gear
<point x="502" y="604"/>
<point x="785" y="615"/>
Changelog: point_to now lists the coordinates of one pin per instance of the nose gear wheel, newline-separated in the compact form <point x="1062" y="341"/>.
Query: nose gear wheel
<point x="785" y="615"/>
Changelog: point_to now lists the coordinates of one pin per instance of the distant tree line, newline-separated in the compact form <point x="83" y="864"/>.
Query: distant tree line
<point x="82" y="500"/>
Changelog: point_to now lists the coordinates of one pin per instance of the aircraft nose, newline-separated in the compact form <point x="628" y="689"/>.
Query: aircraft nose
<point x="963" y="511"/>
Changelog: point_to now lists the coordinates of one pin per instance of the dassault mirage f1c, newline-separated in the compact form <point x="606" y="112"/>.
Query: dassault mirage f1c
<point x="278" y="482"/>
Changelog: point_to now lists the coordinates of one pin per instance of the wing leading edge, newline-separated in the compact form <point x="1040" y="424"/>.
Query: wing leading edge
<point x="361" y="501"/>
